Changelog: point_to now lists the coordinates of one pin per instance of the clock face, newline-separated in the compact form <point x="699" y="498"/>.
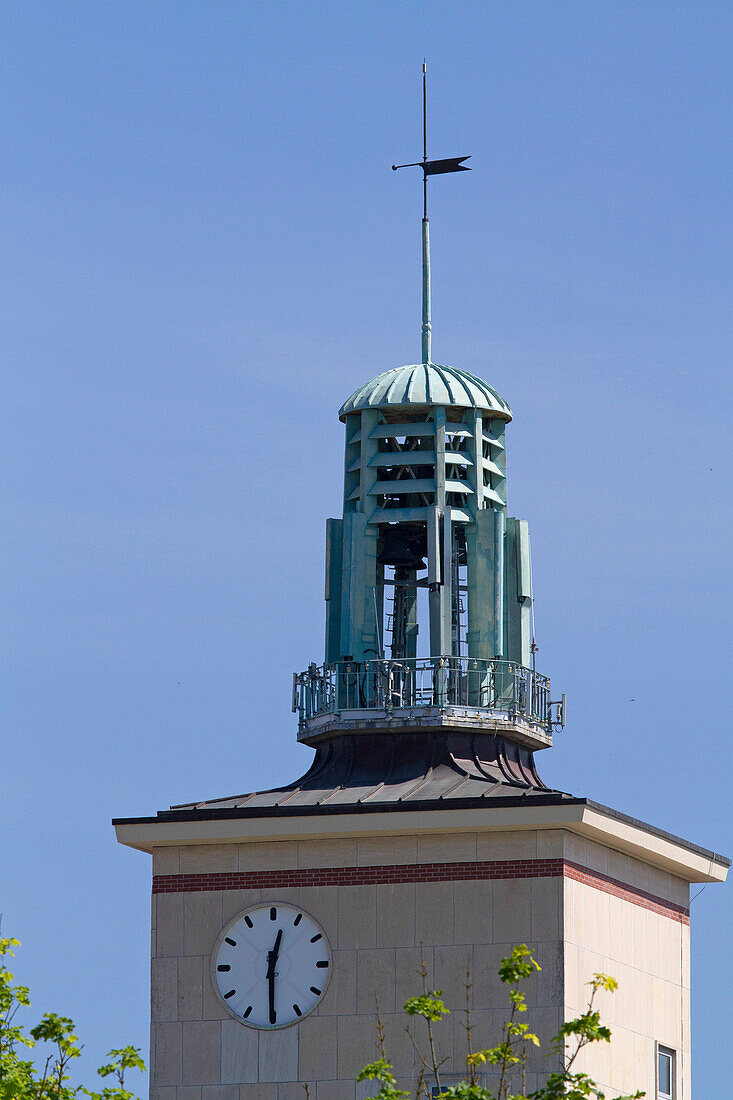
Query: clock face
<point x="271" y="965"/>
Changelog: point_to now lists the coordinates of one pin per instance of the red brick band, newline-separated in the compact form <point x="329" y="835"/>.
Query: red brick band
<point x="617" y="889"/>
<point x="418" y="872"/>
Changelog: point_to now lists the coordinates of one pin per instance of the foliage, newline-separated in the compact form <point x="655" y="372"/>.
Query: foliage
<point x="21" y="1078"/>
<point x="509" y="1057"/>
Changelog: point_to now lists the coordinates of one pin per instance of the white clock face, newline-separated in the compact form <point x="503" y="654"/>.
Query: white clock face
<point x="271" y="965"/>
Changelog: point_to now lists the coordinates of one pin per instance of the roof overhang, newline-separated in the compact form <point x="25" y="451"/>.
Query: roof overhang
<point x="580" y="816"/>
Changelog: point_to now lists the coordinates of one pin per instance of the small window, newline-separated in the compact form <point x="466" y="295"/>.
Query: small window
<point x="665" y="1073"/>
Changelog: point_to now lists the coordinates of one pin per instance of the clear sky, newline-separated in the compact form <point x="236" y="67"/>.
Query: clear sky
<point x="204" y="251"/>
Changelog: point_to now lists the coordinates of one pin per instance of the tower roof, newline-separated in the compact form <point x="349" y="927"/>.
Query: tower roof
<point x="426" y="384"/>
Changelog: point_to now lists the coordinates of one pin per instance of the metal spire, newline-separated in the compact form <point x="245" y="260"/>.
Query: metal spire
<point x="429" y="168"/>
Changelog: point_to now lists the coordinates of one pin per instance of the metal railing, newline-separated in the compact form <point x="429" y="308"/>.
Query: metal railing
<point x="419" y="682"/>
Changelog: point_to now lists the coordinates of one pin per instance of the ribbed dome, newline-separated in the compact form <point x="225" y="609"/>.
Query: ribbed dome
<point x="426" y="384"/>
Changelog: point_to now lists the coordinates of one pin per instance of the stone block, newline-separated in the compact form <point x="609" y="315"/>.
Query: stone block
<point x="201" y="1052"/>
<point x="408" y="982"/>
<point x="323" y="903"/>
<point x="208" y="859"/>
<point x="678" y="891"/>
<point x="446" y="847"/>
<point x="190" y="987"/>
<point x="239" y="1053"/>
<point x="398" y="1044"/>
<point x="356" y="1044"/>
<point x="375" y="980"/>
<point x="639" y="875"/>
<point x="233" y="902"/>
<point x="639" y="920"/>
<point x="278" y="1055"/>
<point x="338" y="1090"/>
<point x="259" y="1092"/>
<point x="547" y="988"/>
<point x="618" y="866"/>
<point x="326" y="853"/>
<point x="576" y="849"/>
<point x="547" y="908"/>
<point x="291" y="1090"/>
<point x="190" y="1092"/>
<point x="615" y="917"/>
<point x="488" y="990"/>
<point x="164" y="989"/>
<point x="357" y="917"/>
<point x="202" y="921"/>
<point x="396" y="915"/>
<point x="596" y="857"/>
<point x="545" y="1023"/>
<point x="511" y="844"/>
<point x="512" y="911"/>
<point x="453" y="971"/>
<point x="340" y="996"/>
<point x="386" y="851"/>
<point x="164" y="1093"/>
<point x="268" y="856"/>
<point x="167" y="1069"/>
<point x="433" y="913"/>
<point x="220" y="1092"/>
<point x="550" y="843"/>
<point x="211" y="1007"/>
<point x="473" y="904"/>
<point x="169" y="924"/>
<point x="318" y="1048"/>
<point x="166" y="861"/>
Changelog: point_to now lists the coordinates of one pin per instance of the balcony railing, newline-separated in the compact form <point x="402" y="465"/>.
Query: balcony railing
<point x="500" y="687"/>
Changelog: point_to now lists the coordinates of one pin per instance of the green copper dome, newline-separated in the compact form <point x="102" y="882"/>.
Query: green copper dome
<point x="426" y="384"/>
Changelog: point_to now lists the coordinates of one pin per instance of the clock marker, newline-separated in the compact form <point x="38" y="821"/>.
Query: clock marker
<point x="298" y="919"/>
<point x="232" y="943"/>
<point x="223" y="967"/>
<point x="229" y="994"/>
<point x="316" y="991"/>
<point x="322" y="963"/>
<point x="297" y="1011"/>
<point x="246" y="1014"/>
<point x="315" y="938"/>
<point x="248" y="922"/>
<point x="273" y="913"/>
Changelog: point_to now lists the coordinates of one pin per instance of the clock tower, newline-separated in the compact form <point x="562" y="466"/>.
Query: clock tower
<point x="422" y="831"/>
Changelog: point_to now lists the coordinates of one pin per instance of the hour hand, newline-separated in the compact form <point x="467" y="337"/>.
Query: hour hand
<point x="271" y="962"/>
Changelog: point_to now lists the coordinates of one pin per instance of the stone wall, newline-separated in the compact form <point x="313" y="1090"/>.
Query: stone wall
<point x="380" y="931"/>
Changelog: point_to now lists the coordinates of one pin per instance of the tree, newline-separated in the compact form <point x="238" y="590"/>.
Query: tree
<point x="510" y="1055"/>
<point x="21" y="1078"/>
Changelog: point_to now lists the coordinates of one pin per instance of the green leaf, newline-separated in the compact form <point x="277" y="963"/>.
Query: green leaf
<point x="429" y="1006"/>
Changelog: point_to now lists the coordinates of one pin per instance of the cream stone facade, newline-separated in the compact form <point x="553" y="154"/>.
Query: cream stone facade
<point x="581" y="905"/>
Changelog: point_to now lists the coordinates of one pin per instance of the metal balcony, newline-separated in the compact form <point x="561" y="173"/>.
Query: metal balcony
<point x="500" y="689"/>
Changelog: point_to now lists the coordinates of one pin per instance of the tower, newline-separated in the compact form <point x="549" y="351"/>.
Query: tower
<point x="422" y="830"/>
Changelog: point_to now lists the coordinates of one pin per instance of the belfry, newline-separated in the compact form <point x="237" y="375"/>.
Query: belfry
<point x="422" y="833"/>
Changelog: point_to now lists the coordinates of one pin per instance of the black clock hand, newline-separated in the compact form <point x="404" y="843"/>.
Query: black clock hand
<point x="271" y="962"/>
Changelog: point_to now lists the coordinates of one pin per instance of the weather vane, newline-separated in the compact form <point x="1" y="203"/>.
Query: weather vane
<point x="429" y="168"/>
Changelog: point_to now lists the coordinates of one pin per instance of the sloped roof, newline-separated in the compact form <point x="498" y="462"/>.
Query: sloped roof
<point x="426" y="384"/>
<point x="398" y="771"/>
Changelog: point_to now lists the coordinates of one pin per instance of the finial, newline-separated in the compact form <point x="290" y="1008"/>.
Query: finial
<point x="429" y="168"/>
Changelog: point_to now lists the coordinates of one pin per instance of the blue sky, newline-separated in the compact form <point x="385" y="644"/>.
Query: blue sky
<point x="204" y="252"/>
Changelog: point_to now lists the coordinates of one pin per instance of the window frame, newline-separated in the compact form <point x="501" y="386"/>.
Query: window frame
<point x="661" y="1050"/>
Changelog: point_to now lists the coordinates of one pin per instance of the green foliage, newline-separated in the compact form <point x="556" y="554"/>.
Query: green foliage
<point x="429" y="1006"/>
<point x="381" y="1071"/>
<point x="22" y="1079"/>
<point x="509" y="1057"/>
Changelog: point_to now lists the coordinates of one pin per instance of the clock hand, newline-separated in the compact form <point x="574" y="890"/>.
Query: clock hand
<point x="270" y="976"/>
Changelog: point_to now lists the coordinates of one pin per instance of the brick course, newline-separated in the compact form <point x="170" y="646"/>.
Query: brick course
<point x="418" y="872"/>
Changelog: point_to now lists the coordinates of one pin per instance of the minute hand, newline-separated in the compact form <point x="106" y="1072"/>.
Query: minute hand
<point x="271" y="962"/>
